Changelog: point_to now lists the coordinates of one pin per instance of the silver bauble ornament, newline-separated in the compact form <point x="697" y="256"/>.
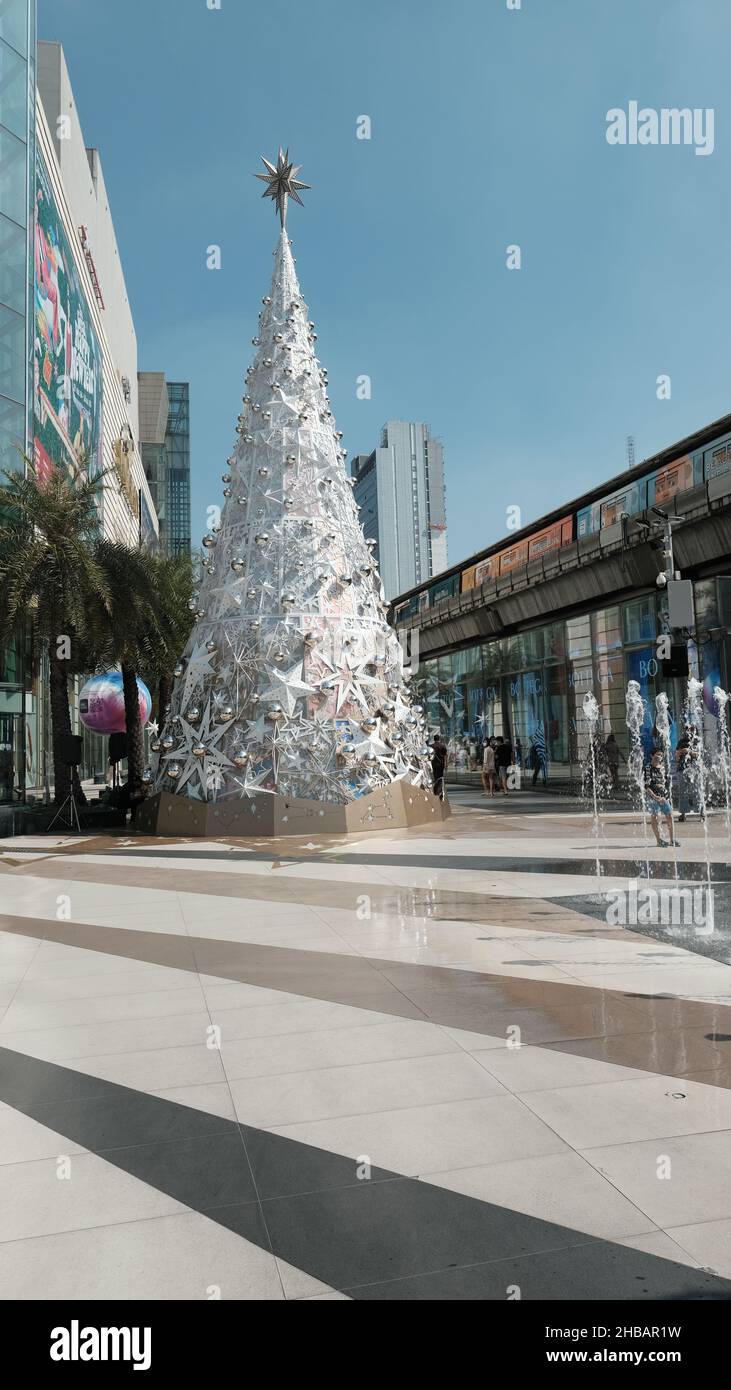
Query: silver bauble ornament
<point x="199" y="750"/>
<point x="224" y="714"/>
<point x="209" y="542"/>
<point x="168" y="742"/>
<point x="275" y="713"/>
<point x="155" y="745"/>
<point x="261" y="539"/>
<point x="173" y="771"/>
<point x="240" y="757"/>
<point x="193" y="715"/>
<point x="211" y="647"/>
<point x="238" y="565"/>
<point x="289" y="600"/>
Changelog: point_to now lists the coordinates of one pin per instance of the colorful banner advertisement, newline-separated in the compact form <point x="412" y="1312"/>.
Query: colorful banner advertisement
<point x="67" y="358"/>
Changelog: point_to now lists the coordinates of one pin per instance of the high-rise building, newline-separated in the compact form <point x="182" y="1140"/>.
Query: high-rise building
<point x="400" y="491"/>
<point x="165" y="447"/>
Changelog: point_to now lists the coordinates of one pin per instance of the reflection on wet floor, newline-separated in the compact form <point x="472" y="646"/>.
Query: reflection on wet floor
<point x="716" y="945"/>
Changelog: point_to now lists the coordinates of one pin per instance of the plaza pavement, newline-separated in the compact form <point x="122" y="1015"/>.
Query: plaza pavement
<point x="289" y="1070"/>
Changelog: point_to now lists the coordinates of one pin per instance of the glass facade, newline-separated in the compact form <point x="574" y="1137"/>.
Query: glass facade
<point x="18" y="676"/>
<point x="17" y="121"/>
<point x="177" y="449"/>
<point x="530" y="687"/>
<point x="167" y="469"/>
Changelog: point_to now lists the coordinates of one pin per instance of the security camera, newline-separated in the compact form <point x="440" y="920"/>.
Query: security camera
<point x="661" y="581"/>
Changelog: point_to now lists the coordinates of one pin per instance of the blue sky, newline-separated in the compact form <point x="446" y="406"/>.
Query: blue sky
<point x="488" y="129"/>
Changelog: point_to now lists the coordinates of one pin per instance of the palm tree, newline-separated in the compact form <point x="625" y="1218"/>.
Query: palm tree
<point x="135" y="638"/>
<point x="49" y="569"/>
<point x="172" y="579"/>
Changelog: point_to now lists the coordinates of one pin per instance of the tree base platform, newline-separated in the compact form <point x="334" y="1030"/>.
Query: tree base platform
<point x="395" y="807"/>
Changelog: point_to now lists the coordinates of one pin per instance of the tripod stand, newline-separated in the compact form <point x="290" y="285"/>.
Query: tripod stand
<point x="73" y="811"/>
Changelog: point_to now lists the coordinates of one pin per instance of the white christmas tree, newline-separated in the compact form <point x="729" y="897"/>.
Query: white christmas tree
<point x="292" y="682"/>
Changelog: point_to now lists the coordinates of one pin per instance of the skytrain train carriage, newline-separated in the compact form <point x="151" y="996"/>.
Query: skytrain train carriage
<point x="655" y="488"/>
<point x="517" y="556"/>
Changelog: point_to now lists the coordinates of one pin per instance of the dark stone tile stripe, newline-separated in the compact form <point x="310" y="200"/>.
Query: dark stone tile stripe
<point x="387" y="1237"/>
<point x="672" y="1037"/>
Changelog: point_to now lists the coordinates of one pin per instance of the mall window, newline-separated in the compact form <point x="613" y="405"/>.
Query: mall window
<point x="640" y="620"/>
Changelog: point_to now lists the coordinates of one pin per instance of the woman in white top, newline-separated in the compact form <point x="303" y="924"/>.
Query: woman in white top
<point x="488" y="769"/>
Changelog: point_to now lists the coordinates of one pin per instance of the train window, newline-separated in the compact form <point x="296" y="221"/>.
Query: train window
<point x="717" y="460"/>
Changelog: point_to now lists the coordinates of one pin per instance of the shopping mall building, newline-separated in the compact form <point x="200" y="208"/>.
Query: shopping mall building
<point x="68" y="364"/>
<point x="511" y="641"/>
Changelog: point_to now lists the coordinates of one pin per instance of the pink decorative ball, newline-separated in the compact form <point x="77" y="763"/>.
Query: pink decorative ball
<point x="101" y="703"/>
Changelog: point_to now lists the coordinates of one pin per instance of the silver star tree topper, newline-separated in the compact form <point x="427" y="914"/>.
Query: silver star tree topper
<point x="282" y="183"/>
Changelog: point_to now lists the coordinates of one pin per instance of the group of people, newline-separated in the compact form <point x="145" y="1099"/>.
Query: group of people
<point x="498" y="756"/>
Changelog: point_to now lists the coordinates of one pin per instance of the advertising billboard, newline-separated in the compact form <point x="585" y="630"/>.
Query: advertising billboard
<point x="67" y="358"/>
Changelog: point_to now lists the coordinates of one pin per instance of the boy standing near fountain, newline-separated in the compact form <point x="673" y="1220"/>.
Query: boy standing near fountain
<point x="658" y="798"/>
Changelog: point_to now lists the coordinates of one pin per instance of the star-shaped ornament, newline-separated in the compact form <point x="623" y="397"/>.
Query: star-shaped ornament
<point x="281" y="182"/>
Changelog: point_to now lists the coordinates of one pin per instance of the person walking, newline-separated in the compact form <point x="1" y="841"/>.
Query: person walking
<point x="488" y="769"/>
<point x="438" y="765"/>
<point x="687" y="754"/>
<point x="659" y="804"/>
<point x="537" y="756"/>
<point x="503" y="759"/>
<point x="612" y="755"/>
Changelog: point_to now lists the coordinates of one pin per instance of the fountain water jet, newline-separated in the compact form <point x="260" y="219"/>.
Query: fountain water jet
<point x="636" y="761"/>
<point x="694" y="712"/>
<point x="662" y="724"/>
<point x="722" y="698"/>
<point x="591" y="715"/>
